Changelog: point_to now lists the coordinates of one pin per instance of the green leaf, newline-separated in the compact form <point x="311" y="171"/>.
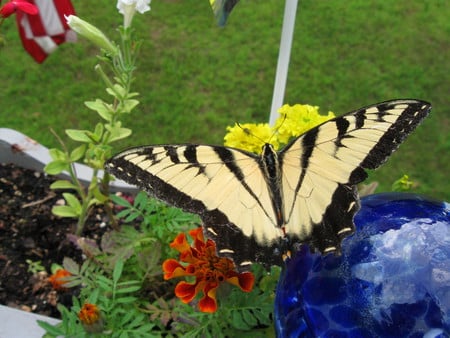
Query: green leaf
<point x="117" y="133"/>
<point x="249" y="318"/>
<point x="100" y="197"/>
<point x="103" y="109"/>
<point x="129" y="105"/>
<point x="133" y="94"/>
<point x="64" y="211"/>
<point x="141" y="200"/>
<point x="57" y="154"/>
<point x="128" y="289"/>
<point x="70" y="265"/>
<point x="79" y="135"/>
<point x="117" y="271"/>
<point x="238" y="321"/>
<point x="117" y="91"/>
<point x="94" y="201"/>
<point x="62" y="184"/>
<point x="56" y="167"/>
<point x="124" y="300"/>
<point x="93" y="296"/>
<point x="120" y="201"/>
<point x="55" y="331"/>
<point x="72" y="201"/>
<point x="77" y="153"/>
<point x="131" y="217"/>
<point x="98" y="132"/>
<point x="93" y="137"/>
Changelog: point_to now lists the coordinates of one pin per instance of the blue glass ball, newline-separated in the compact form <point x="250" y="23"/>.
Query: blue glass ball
<point x="392" y="279"/>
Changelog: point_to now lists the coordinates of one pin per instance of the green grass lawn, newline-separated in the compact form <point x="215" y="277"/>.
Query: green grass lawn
<point x="196" y="78"/>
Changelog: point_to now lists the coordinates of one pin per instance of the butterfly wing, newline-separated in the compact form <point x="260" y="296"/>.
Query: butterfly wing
<point x="321" y="168"/>
<point x="225" y="186"/>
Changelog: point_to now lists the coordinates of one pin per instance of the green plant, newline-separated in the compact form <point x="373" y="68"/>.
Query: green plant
<point x="156" y="219"/>
<point x="34" y="266"/>
<point x="95" y="145"/>
<point x="123" y="278"/>
<point x="403" y="184"/>
<point x="115" y="299"/>
<point x="236" y="315"/>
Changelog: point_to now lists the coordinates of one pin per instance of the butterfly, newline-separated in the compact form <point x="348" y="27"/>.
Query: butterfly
<point x="259" y="207"/>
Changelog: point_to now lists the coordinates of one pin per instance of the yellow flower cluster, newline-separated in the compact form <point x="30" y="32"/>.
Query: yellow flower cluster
<point x="292" y="122"/>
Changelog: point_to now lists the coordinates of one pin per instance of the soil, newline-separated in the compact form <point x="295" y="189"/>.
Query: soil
<point x="29" y="232"/>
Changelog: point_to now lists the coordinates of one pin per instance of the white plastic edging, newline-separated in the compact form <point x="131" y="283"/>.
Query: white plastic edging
<point x="21" y="324"/>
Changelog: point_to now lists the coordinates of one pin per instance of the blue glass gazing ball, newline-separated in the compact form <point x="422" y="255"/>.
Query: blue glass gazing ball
<point x="392" y="279"/>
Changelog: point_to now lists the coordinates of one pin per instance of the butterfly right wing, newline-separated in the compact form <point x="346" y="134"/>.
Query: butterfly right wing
<point x="224" y="186"/>
<point x="321" y="168"/>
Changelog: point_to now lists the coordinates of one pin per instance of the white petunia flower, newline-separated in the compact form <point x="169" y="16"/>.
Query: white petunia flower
<point x="129" y="7"/>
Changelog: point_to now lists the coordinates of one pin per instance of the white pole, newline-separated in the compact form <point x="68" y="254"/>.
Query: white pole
<point x="287" y="34"/>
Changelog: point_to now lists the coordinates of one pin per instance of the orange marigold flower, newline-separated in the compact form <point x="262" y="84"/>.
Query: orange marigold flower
<point x="57" y="279"/>
<point x="90" y="317"/>
<point x="201" y="261"/>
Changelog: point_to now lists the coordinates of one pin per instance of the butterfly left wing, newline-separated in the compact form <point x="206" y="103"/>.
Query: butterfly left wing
<point x="321" y="168"/>
<point x="224" y="186"/>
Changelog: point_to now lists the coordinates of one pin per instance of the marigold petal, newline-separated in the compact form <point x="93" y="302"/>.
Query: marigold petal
<point x="197" y="234"/>
<point x="208" y="302"/>
<point x="244" y="281"/>
<point x="185" y="291"/>
<point x="173" y="269"/>
<point x="188" y="256"/>
<point x="180" y="243"/>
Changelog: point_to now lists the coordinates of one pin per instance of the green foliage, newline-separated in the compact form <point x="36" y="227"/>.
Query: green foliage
<point x="34" y="266"/>
<point x="95" y="146"/>
<point x="118" y="274"/>
<point x="156" y="219"/>
<point x="403" y="184"/>
<point x="117" y="300"/>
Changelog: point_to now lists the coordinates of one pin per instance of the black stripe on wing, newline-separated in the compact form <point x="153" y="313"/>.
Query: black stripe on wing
<point x="337" y="222"/>
<point x="410" y="118"/>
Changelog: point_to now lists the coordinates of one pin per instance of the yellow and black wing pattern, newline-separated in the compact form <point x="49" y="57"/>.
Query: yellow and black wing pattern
<point x="257" y="207"/>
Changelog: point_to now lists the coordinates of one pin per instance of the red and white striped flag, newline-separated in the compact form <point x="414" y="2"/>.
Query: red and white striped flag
<point x="42" y="33"/>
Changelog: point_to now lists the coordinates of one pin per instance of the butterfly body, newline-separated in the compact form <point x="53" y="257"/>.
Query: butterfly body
<point x="256" y="208"/>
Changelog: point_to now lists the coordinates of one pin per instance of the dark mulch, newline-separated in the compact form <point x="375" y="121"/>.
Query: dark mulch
<point x="29" y="231"/>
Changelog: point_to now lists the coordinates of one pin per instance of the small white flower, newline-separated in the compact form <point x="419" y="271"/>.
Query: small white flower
<point x="129" y="7"/>
<point x="141" y="6"/>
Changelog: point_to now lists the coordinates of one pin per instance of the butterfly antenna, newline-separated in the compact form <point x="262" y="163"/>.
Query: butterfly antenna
<point x="278" y="128"/>
<point x="248" y="132"/>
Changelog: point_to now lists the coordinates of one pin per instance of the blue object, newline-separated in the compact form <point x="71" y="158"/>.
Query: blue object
<point x="392" y="279"/>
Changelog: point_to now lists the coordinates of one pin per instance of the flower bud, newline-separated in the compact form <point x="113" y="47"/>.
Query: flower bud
<point x="57" y="279"/>
<point x="91" y="318"/>
<point x="91" y="33"/>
